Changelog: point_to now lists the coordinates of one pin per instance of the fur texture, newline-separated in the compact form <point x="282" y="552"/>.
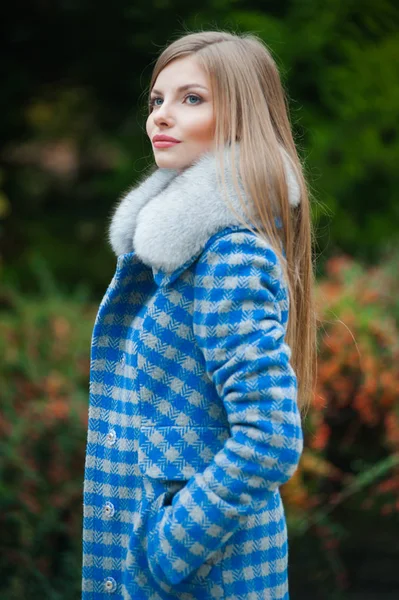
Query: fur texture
<point x="169" y="216"/>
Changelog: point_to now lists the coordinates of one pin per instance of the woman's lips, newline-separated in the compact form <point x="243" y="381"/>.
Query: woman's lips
<point x="165" y="144"/>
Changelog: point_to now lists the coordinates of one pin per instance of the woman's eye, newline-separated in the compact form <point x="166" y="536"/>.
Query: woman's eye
<point x="153" y="101"/>
<point x="193" y="96"/>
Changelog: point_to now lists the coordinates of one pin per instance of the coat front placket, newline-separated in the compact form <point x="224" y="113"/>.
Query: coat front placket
<point x="112" y="487"/>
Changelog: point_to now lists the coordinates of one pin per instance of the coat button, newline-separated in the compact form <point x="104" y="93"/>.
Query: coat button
<point x="109" y="585"/>
<point x="109" y="509"/>
<point x="111" y="437"/>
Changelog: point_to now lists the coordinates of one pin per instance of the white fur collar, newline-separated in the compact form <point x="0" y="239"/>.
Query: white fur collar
<point x="168" y="217"/>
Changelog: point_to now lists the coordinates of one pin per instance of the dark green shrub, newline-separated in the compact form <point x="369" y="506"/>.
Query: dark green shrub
<point x="45" y="349"/>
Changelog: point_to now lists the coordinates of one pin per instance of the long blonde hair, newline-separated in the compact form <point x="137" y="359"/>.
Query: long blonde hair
<point x="251" y="107"/>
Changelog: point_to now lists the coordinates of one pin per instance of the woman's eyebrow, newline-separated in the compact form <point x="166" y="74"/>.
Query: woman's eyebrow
<point x="183" y="87"/>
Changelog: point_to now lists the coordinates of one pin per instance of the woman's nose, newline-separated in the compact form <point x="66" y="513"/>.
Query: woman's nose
<point x="163" y="114"/>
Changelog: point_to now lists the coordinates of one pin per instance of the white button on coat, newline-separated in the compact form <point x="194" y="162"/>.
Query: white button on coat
<point x="110" y="585"/>
<point x="109" y="509"/>
<point x="111" y="437"/>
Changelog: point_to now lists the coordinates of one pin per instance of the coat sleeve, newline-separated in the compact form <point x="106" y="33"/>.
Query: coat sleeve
<point x="239" y="325"/>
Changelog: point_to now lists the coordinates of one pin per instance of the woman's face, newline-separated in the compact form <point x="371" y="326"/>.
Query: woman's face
<point x="184" y="114"/>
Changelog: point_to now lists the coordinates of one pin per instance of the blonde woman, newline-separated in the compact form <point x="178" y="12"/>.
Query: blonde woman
<point x="203" y="349"/>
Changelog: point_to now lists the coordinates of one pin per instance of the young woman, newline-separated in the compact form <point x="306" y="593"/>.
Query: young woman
<point x="203" y="349"/>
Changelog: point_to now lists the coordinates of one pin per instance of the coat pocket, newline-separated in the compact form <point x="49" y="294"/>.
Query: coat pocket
<point x="175" y="453"/>
<point x="204" y="582"/>
<point x="168" y="457"/>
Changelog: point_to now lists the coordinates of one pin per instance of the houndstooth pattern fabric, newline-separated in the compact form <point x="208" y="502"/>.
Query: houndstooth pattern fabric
<point x="193" y="427"/>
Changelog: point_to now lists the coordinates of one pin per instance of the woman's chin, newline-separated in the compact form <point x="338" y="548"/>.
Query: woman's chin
<point x="164" y="163"/>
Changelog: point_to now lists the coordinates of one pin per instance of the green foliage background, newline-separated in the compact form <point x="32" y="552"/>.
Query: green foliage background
<point x="73" y="118"/>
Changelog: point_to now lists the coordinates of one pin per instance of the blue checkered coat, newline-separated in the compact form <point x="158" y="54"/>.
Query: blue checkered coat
<point x="193" y="417"/>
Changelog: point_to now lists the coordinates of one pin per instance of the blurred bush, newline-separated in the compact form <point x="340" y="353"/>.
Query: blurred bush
<point x="345" y="496"/>
<point x="45" y="349"/>
<point x="342" y="503"/>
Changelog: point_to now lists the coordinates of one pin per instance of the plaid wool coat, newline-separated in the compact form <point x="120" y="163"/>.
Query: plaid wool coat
<point x="193" y="416"/>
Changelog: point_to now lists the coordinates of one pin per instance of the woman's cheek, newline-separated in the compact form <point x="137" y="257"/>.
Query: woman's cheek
<point x="203" y="127"/>
<point x="148" y="126"/>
